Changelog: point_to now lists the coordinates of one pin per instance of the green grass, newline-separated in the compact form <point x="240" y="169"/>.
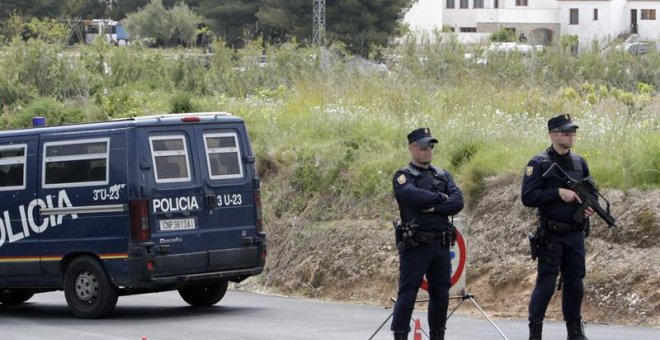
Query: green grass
<point x="336" y="131"/>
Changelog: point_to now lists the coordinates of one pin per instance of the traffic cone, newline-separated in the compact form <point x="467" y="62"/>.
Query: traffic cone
<point x="418" y="330"/>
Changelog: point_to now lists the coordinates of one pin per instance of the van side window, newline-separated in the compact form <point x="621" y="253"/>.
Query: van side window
<point x="170" y="156"/>
<point x="223" y="155"/>
<point x="76" y="163"/>
<point x="12" y="167"/>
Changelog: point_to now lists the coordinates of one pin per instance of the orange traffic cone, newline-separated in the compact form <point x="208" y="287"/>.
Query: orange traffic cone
<point x="418" y="330"/>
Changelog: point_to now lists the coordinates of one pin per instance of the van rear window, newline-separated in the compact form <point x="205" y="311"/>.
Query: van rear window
<point x="223" y="155"/>
<point x="170" y="156"/>
<point x="12" y="167"/>
<point x="76" y="163"/>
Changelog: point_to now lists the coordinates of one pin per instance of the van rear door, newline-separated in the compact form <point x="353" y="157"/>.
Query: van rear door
<point x="229" y="214"/>
<point x="175" y="201"/>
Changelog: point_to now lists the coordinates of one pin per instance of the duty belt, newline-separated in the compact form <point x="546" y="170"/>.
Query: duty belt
<point x="559" y="227"/>
<point x="432" y="236"/>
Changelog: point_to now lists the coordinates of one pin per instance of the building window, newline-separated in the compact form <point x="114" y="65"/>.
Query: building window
<point x="595" y="14"/>
<point x="451" y="4"/>
<point x="464" y="3"/>
<point x="521" y="2"/>
<point x="648" y="14"/>
<point x="468" y="29"/>
<point x="496" y="4"/>
<point x="575" y="17"/>
<point x="478" y="3"/>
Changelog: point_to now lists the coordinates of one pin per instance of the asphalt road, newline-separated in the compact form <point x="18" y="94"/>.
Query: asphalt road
<point x="241" y="315"/>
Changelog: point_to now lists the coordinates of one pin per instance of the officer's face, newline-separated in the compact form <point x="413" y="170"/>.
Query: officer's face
<point x="565" y="139"/>
<point x="422" y="154"/>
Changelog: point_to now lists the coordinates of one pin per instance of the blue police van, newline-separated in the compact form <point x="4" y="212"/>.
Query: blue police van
<point x="131" y="206"/>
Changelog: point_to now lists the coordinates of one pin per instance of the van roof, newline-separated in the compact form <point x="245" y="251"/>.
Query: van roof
<point x="165" y="119"/>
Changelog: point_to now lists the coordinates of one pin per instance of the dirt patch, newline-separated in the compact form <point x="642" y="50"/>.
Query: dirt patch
<point x="353" y="259"/>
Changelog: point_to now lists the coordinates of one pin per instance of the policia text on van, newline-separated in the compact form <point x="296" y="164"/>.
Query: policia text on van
<point x="126" y="207"/>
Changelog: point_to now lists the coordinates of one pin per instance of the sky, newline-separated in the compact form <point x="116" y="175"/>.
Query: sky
<point x="425" y="14"/>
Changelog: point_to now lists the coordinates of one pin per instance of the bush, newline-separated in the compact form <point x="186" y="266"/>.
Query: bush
<point x="55" y="112"/>
<point x="181" y="102"/>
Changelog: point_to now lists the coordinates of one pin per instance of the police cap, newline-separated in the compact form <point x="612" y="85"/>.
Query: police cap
<point x="422" y="136"/>
<point x="562" y="122"/>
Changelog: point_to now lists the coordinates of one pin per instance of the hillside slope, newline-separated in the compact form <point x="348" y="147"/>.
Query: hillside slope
<point x="353" y="259"/>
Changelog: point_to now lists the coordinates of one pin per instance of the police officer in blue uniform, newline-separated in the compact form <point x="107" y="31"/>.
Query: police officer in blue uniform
<point x="427" y="196"/>
<point x="561" y="239"/>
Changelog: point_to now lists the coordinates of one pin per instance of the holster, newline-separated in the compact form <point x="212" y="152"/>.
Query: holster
<point x="534" y="245"/>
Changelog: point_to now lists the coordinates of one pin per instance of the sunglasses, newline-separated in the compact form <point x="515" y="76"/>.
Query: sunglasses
<point x="566" y="133"/>
<point x="427" y="147"/>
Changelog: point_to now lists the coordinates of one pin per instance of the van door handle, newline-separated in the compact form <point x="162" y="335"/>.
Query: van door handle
<point x="211" y="201"/>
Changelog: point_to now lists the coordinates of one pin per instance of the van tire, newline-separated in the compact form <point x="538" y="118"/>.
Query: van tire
<point x="13" y="297"/>
<point x="204" y="295"/>
<point x="87" y="289"/>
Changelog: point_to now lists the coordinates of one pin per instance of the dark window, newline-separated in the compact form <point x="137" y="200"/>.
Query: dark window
<point x="496" y="4"/>
<point x="451" y="4"/>
<point x="468" y="29"/>
<point x="521" y="2"/>
<point x="223" y="156"/>
<point x="575" y="16"/>
<point x="478" y="3"/>
<point x="648" y="14"/>
<point x="80" y="162"/>
<point x="12" y="167"/>
<point x="170" y="157"/>
<point x="465" y="3"/>
<point x="595" y="14"/>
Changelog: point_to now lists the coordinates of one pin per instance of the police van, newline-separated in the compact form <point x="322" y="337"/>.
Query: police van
<point x="131" y="206"/>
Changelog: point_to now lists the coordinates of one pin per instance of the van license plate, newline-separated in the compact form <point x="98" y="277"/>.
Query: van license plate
<point x="177" y="224"/>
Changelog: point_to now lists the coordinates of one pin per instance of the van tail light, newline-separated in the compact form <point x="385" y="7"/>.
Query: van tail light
<point x="139" y="211"/>
<point x="257" y="206"/>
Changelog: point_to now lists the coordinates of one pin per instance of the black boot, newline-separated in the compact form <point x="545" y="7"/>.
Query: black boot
<point x="535" y="331"/>
<point x="575" y="330"/>
<point x="437" y="334"/>
<point x="400" y="335"/>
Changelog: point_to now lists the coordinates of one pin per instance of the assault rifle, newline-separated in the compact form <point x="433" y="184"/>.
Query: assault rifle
<point x="584" y="189"/>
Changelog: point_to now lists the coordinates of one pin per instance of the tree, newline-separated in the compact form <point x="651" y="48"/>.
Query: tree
<point x="185" y="23"/>
<point x="281" y="19"/>
<point x="357" y="23"/>
<point x="230" y="19"/>
<point x="177" y="25"/>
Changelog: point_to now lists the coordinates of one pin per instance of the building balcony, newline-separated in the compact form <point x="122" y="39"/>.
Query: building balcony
<point x="520" y="16"/>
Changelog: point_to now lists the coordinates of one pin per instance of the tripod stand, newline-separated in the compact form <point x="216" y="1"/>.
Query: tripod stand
<point x="463" y="297"/>
<point x="467" y="296"/>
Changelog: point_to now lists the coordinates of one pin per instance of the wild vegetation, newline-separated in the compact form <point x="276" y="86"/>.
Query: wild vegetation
<point x="329" y="131"/>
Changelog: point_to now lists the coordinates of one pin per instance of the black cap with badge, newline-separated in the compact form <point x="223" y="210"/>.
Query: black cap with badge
<point x="422" y="136"/>
<point x="562" y="123"/>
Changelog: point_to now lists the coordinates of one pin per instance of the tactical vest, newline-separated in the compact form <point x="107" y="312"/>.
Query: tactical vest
<point x="559" y="210"/>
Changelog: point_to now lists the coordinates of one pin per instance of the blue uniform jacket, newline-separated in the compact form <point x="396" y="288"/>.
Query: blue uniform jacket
<point x="431" y="188"/>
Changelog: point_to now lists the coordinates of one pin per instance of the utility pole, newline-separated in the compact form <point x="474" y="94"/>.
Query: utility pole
<point x="318" y="35"/>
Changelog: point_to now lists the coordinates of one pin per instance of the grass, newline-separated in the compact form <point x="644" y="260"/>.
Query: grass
<point x="338" y="131"/>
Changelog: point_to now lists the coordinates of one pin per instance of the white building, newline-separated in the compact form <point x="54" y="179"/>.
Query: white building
<point x="543" y="21"/>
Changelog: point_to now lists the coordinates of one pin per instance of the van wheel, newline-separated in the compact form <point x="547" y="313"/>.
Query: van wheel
<point x="13" y="297"/>
<point x="87" y="289"/>
<point x="204" y="295"/>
